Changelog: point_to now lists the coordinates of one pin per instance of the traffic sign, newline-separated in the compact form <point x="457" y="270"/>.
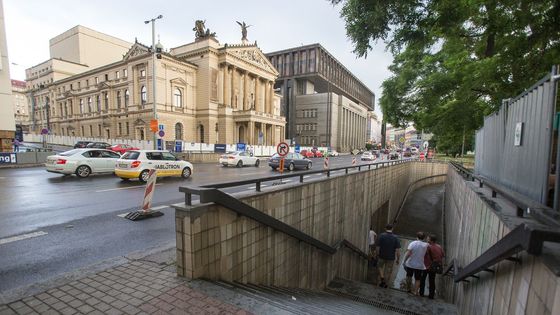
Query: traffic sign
<point x="161" y="133"/>
<point x="401" y="140"/>
<point x="425" y="144"/>
<point x="282" y="148"/>
<point x="154" y="125"/>
<point x="44" y="131"/>
<point x="298" y="148"/>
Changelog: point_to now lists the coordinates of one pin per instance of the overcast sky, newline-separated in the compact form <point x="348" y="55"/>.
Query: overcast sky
<point x="275" y="26"/>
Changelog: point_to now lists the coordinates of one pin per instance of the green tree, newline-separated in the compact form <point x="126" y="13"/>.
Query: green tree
<point x="455" y="60"/>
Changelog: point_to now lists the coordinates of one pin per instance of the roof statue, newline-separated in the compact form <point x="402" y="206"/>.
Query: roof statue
<point x="201" y="31"/>
<point x="244" y="28"/>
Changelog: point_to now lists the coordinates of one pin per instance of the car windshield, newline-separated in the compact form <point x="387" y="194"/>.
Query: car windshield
<point x="69" y="153"/>
<point x="275" y="155"/>
<point x="130" y="155"/>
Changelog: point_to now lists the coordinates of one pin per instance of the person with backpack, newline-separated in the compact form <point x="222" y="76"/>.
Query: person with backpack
<point x="434" y="265"/>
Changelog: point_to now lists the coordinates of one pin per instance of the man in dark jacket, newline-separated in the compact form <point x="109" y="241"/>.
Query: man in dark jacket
<point x="388" y="246"/>
<point x="434" y="255"/>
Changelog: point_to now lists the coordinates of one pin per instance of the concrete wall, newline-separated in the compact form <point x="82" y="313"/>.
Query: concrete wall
<point x="7" y="119"/>
<point x="214" y="242"/>
<point x="472" y="226"/>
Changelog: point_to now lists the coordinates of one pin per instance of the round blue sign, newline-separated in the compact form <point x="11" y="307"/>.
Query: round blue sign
<point x="161" y="133"/>
<point x="44" y="131"/>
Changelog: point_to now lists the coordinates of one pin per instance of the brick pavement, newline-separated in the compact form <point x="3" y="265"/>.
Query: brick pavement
<point x="138" y="287"/>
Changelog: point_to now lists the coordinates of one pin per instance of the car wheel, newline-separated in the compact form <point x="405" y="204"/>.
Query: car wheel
<point x="124" y="179"/>
<point x="144" y="176"/>
<point x="83" y="171"/>
<point x="309" y="165"/>
<point x="291" y="167"/>
<point x="240" y="163"/>
<point x="257" y="163"/>
<point x="186" y="173"/>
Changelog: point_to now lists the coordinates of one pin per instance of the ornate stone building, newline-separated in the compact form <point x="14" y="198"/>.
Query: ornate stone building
<point x="206" y="93"/>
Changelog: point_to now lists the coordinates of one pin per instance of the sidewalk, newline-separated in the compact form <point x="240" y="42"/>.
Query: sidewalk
<point x="141" y="286"/>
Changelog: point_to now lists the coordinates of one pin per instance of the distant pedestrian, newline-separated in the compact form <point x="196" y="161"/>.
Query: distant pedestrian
<point x="371" y="239"/>
<point x="387" y="246"/>
<point x="414" y="262"/>
<point x="16" y="145"/>
<point x="434" y="265"/>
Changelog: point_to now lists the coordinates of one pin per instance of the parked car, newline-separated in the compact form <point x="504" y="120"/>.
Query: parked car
<point x="376" y="153"/>
<point x="291" y="161"/>
<point x="393" y="155"/>
<point x="407" y="153"/>
<point x="122" y="148"/>
<point x="414" y="150"/>
<point x="99" y="145"/>
<point x="138" y="163"/>
<point x="367" y="156"/>
<point x="81" y="144"/>
<point x="317" y="153"/>
<point x="82" y="162"/>
<point x="332" y="153"/>
<point x="308" y="154"/>
<point x="239" y="159"/>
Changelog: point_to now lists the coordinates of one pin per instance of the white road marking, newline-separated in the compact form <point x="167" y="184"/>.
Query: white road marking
<point x="122" y="215"/>
<point x="104" y="190"/>
<point x="21" y="237"/>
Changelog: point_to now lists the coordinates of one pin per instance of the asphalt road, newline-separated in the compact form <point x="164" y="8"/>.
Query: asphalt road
<point x="52" y="224"/>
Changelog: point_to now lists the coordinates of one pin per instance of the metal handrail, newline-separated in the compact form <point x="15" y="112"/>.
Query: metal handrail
<point x="521" y="238"/>
<point x="536" y="210"/>
<point x="221" y="198"/>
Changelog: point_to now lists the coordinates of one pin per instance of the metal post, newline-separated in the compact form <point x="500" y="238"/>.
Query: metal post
<point x="153" y="21"/>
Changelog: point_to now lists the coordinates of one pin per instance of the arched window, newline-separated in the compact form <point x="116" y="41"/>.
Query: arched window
<point x="201" y="131"/>
<point x="126" y="98"/>
<point x="89" y="105"/>
<point x="177" y="98"/>
<point x="143" y="95"/>
<point x="118" y="99"/>
<point x="178" y="131"/>
<point x="106" y="101"/>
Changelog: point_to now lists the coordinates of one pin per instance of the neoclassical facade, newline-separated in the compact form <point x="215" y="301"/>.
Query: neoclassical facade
<point x="205" y="93"/>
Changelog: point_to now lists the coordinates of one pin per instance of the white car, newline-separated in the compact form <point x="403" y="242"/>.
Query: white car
<point x="367" y="156"/>
<point x="414" y="150"/>
<point x="82" y="162"/>
<point x="138" y="163"/>
<point x="239" y="159"/>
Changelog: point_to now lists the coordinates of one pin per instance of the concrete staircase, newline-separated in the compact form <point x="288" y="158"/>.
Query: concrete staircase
<point x="340" y="297"/>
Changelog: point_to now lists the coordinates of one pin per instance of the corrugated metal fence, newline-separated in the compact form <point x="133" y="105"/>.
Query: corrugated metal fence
<point x="514" y="147"/>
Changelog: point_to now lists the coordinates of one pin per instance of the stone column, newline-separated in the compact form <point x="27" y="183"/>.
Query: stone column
<point x="251" y="136"/>
<point x="232" y="89"/>
<point x="257" y="94"/>
<point x="224" y="84"/>
<point x="245" y="101"/>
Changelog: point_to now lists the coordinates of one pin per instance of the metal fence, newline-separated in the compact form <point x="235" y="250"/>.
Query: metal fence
<point x="514" y="147"/>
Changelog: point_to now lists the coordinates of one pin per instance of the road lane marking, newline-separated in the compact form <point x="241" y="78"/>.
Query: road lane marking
<point x="104" y="190"/>
<point x="22" y="237"/>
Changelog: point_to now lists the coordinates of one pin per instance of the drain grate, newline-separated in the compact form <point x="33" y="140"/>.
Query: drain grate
<point x="374" y="303"/>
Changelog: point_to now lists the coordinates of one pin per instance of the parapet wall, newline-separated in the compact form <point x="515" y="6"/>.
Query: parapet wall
<point x="214" y="242"/>
<point x="473" y="224"/>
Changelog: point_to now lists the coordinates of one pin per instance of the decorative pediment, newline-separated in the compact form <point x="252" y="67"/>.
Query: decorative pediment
<point x="139" y="122"/>
<point x="103" y="85"/>
<point x="254" y="56"/>
<point x="67" y="94"/>
<point x="179" y="81"/>
<point x="136" y="50"/>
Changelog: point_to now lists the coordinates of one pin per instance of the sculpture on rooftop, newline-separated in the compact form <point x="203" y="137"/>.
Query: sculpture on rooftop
<point x="201" y="31"/>
<point x="244" y="28"/>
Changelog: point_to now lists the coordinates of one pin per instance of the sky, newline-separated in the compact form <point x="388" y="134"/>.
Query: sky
<point x="275" y="25"/>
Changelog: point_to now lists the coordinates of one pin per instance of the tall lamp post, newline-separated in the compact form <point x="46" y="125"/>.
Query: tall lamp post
<point x="153" y="21"/>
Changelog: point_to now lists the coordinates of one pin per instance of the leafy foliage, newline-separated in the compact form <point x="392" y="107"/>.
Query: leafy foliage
<point x="455" y="60"/>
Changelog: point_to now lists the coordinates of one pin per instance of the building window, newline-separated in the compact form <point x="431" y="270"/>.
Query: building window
<point x="126" y="98"/>
<point x="117" y="75"/>
<point x="177" y="98"/>
<point x="106" y="77"/>
<point x="179" y="131"/>
<point x="89" y="105"/>
<point x="96" y="80"/>
<point x="98" y="103"/>
<point x="71" y="108"/>
<point x="118" y="99"/>
<point x="90" y="130"/>
<point x="127" y="126"/>
<point x="120" y="129"/>
<point x="142" y="73"/>
<point x="79" y="85"/>
<point x="143" y="95"/>
<point x="83" y="134"/>
<point x="106" y="101"/>
<point x="82" y="108"/>
<point x="125" y="73"/>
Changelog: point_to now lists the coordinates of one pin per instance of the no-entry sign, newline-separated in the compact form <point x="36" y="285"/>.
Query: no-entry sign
<point x="282" y="148"/>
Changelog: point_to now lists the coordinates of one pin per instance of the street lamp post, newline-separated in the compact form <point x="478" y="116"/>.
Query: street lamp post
<point x="153" y="21"/>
